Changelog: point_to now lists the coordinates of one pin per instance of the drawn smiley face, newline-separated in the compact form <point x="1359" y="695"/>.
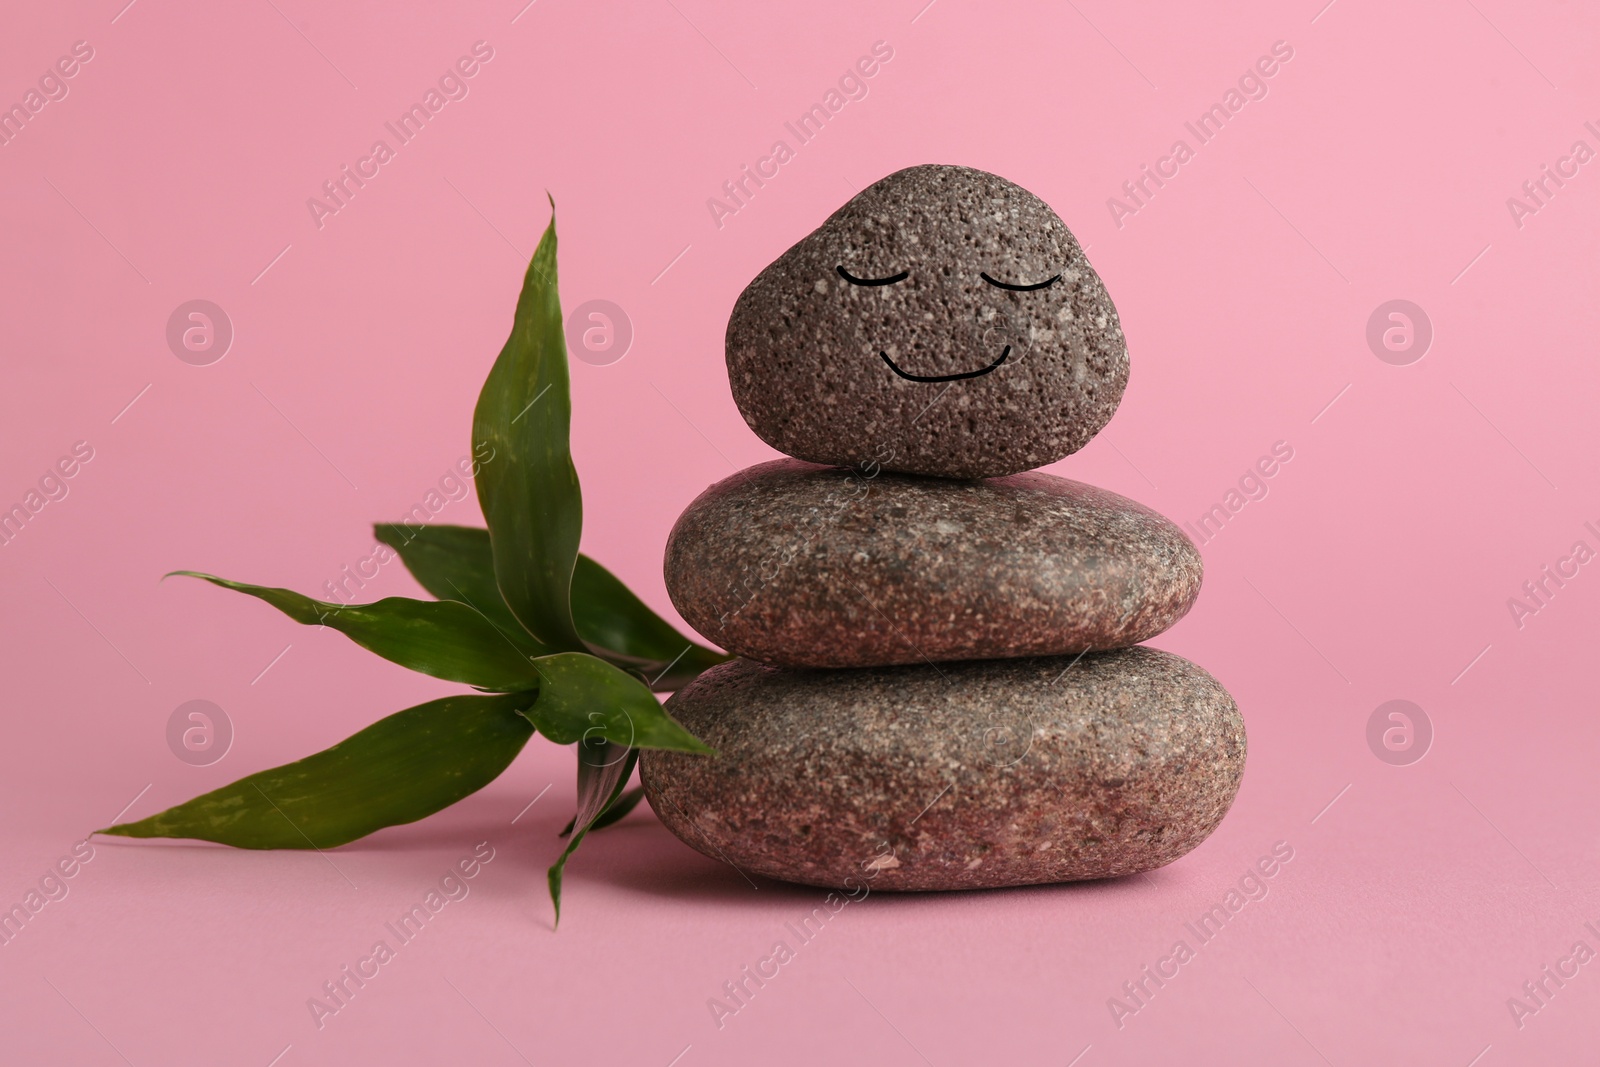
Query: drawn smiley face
<point x="943" y="322"/>
<point x="1005" y="353"/>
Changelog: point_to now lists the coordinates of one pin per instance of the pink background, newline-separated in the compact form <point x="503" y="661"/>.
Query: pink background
<point x="1378" y="567"/>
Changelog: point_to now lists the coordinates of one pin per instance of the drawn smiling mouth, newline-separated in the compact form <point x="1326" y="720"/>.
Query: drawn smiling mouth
<point x="946" y="377"/>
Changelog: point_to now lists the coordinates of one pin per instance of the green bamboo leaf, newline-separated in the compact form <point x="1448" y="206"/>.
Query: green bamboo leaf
<point x="444" y="638"/>
<point x="529" y="488"/>
<point x="582" y="698"/>
<point x="457" y="563"/>
<point x="603" y="769"/>
<point x="614" y="814"/>
<point x="611" y="617"/>
<point x="398" y="770"/>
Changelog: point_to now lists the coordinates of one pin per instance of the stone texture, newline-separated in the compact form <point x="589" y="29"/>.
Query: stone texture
<point x="963" y="776"/>
<point x="806" y="349"/>
<point x="801" y="565"/>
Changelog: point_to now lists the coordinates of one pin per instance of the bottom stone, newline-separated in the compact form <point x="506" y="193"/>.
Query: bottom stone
<point x="956" y="776"/>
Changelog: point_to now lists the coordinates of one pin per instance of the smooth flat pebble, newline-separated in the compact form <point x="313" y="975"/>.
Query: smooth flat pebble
<point x="961" y="776"/>
<point x="800" y="565"/>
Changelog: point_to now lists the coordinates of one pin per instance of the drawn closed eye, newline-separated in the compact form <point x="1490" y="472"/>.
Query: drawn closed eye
<point x="1020" y="288"/>
<point x="890" y="280"/>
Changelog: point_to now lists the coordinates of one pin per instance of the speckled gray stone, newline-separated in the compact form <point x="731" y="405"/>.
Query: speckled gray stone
<point x="963" y="776"/>
<point x="807" y="566"/>
<point x="808" y="351"/>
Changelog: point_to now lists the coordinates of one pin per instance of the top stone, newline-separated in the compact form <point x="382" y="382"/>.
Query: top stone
<point x="943" y="322"/>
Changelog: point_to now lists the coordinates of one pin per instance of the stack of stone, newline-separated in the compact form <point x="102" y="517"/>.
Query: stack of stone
<point x="943" y="686"/>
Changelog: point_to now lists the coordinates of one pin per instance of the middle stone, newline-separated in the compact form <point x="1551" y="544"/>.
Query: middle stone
<point x="805" y="566"/>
